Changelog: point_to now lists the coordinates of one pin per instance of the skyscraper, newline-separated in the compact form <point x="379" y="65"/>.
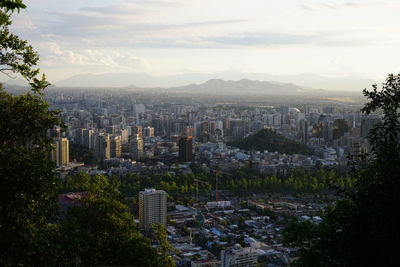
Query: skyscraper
<point x="102" y="147"/>
<point x="124" y="135"/>
<point x="60" y="153"/>
<point x="185" y="149"/>
<point x="304" y="131"/>
<point x="188" y="131"/>
<point x="148" y="131"/>
<point x="137" y="129"/>
<point x="136" y="144"/>
<point x="88" y="138"/>
<point x="152" y="208"/>
<point x="79" y="136"/>
<point x="115" y="146"/>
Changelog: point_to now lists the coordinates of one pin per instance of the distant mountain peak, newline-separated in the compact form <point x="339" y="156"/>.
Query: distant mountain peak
<point x="143" y="80"/>
<point x="243" y="86"/>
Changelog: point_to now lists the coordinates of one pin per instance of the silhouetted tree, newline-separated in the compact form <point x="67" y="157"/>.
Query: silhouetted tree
<point x="362" y="228"/>
<point x="100" y="230"/>
<point x="28" y="186"/>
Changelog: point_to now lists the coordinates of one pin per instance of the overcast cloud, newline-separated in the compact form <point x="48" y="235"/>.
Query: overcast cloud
<point x="174" y="36"/>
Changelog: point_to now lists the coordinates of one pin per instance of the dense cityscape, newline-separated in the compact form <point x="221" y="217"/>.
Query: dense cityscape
<point x="213" y="212"/>
<point x="171" y="133"/>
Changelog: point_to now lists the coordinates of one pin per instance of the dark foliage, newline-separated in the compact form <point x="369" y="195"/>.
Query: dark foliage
<point x="28" y="186"/>
<point x="100" y="230"/>
<point x="81" y="154"/>
<point x="362" y="229"/>
<point x="270" y="140"/>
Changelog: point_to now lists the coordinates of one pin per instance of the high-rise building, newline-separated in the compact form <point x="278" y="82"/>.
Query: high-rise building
<point x="238" y="133"/>
<point x="102" y="147"/>
<point x="137" y="129"/>
<point x="55" y="132"/>
<point x="239" y="257"/>
<point x="304" y="131"/>
<point x="136" y="144"/>
<point x="197" y="129"/>
<point x="191" y="117"/>
<point x="188" y="131"/>
<point x="79" y="136"/>
<point x="60" y="153"/>
<point x="227" y="125"/>
<point x="148" y="131"/>
<point x="178" y="125"/>
<point x="327" y="132"/>
<point x="124" y="133"/>
<point x="185" y="149"/>
<point x="366" y="125"/>
<point x="115" y="146"/>
<point x="111" y="129"/>
<point x="152" y="208"/>
<point x="285" y="110"/>
<point x="88" y="138"/>
<point x="115" y="119"/>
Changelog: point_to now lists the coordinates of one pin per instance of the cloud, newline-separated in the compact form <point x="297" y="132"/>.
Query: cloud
<point x="270" y="39"/>
<point x="134" y="7"/>
<point x="23" y="24"/>
<point x="93" y="24"/>
<point x="307" y="7"/>
<point x="333" y="5"/>
<point x="113" y="10"/>
<point x="163" y="3"/>
<point x="248" y="39"/>
<point x="56" y="56"/>
<point x="260" y="39"/>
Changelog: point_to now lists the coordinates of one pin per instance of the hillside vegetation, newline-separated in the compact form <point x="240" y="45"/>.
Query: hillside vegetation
<point x="267" y="139"/>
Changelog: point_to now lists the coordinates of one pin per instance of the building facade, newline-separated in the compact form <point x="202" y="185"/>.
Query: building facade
<point x="102" y="147"/>
<point x="115" y="146"/>
<point x="185" y="149"/>
<point x="137" y="145"/>
<point x="239" y="257"/>
<point x="152" y="208"/>
<point x="60" y="153"/>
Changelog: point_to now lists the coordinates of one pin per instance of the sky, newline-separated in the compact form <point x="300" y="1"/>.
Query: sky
<point x="167" y="37"/>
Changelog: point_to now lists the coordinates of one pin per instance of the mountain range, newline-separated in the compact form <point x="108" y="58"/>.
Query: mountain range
<point x="143" y="80"/>
<point x="277" y="85"/>
<point x="244" y="86"/>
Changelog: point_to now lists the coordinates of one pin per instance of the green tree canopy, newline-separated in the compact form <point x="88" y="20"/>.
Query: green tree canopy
<point x="17" y="57"/>
<point x="267" y="139"/>
<point x="28" y="186"/>
<point x="362" y="229"/>
<point x="100" y="230"/>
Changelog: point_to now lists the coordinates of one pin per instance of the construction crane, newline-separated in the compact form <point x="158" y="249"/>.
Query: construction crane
<point x="217" y="172"/>
<point x="197" y="187"/>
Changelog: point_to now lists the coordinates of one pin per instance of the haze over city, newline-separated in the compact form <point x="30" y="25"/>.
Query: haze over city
<point x="199" y="133"/>
<point x="192" y="41"/>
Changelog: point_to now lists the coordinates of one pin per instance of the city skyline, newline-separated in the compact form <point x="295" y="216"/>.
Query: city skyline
<point x="176" y="133"/>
